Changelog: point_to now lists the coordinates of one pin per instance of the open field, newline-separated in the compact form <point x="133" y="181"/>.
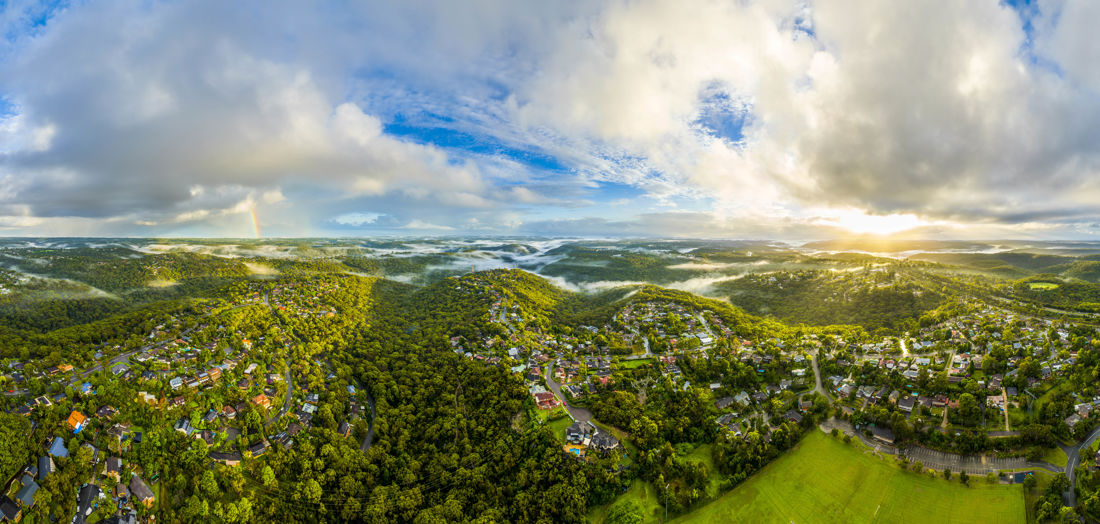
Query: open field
<point x="825" y="480"/>
<point x="1056" y="456"/>
<point x="631" y="364"/>
<point x="1042" y="286"/>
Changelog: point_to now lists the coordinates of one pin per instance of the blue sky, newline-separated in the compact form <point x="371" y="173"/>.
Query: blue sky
<point x="758" y="119"/>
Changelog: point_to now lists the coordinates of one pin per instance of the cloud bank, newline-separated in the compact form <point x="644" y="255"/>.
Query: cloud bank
<point x="759" y="119"/>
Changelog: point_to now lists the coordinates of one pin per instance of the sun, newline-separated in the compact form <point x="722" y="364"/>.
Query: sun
<point x="860" y="222"/>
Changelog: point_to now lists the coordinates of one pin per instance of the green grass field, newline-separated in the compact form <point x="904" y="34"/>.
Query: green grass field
<point x="1056" y="456"/>
<point x="559" y="426"/>
<point x="631" y="364"/>
<point x="825" y="480"/>
<point x="1042" y="286"/>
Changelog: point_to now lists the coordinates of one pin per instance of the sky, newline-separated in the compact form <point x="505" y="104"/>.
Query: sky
<point x="703" y="119"/>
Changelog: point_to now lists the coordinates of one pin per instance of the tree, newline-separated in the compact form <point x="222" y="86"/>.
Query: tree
<point x="947" y="473"/>
<point x="268" y="476"/>
<point x="311" y="491"/>
<point x="14" y="450"/>
<point x="209" y="484"/>
<point x="964" y="478"/>
<point x="968" y="407"/>
<point x="918" y="466"/>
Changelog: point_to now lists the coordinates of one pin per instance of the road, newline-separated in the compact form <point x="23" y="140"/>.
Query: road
<point x="289" y="378"/>
<point x="575" y="413"/>
<point x="367" y="440"/>
<point x="1074" y="454"/>
<point x="939" y="460"/>
<point x="817" y="379"/>
<point x="706" y="326"/>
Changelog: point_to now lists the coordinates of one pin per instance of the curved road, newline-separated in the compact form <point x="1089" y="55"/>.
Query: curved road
<point x="575" y="413"/>
<point x="1074" y="454"/>
<point x="367" y="440"/>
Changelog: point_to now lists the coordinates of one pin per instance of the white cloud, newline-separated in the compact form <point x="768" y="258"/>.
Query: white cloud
<point x="356" y="219"/>
<point x="941" y="114"/>
<point x="420" y="224"/>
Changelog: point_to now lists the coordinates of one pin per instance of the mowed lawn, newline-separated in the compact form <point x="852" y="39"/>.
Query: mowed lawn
<point x="826" y="480"/>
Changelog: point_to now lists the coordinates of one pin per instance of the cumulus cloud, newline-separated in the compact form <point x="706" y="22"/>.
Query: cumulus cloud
<point x="757" y="118"/>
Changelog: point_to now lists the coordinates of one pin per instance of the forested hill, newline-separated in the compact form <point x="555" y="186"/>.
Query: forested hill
<point x="120" y="270"/>
<point x="453" y="441"/>
<point x="890" y="300"/>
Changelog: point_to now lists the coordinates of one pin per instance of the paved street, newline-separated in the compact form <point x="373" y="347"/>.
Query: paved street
<point x="576" y="413"/>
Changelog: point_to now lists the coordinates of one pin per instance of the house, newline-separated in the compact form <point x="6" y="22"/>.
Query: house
<point x="175" y="383"/>
<point x="113" y="468"/>
<point x="183" y="425"/>
<point x="206" y="436"/>
<point x="58" y="448"/>
<point x="603" y="441"/>
<point x="882" y="435"/>
<point x="229" y="459"/>
<point x="122" y="493"/>
<point x="723" y="402"/>
<point x="45" y="467"/>
<point x="228" y="412"/>
<point x="258" y="448"/>
<point x="545" y="400"/>
<point x="345" y="429"/>
<point x="141" y="492"/>
<point x="262" y="401"/>
<point x="939" y="401"/>
<point x="106" y="411"/>
<point x="1073" y="420"/>
<point x="25" y="496"/>
<point x="77" y="421"/>
<point x="9" y="511"/>
<point x="579" y="431"/>
<point x="907" y="403"/>
<point x="794" y="416"/>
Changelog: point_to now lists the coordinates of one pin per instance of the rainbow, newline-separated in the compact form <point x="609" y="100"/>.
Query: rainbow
<point x="255" y="223"/>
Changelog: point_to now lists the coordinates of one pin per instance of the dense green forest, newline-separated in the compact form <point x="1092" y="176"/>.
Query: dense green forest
<point x="885" y="300"/>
